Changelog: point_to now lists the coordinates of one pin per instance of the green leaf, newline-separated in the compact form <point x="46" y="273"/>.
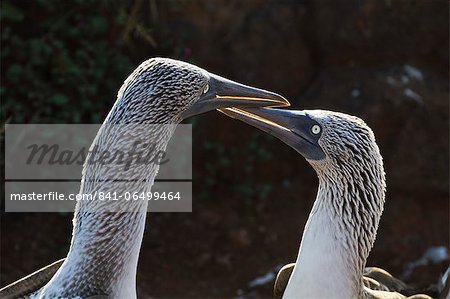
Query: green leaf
<point x="59" y="99"/>
<point x="14" y="71"/>
<point x="98" y="24"/>
<point x="10" y="12"/>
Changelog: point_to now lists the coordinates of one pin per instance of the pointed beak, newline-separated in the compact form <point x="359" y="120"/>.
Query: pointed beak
<point x="223" y="93"/>
<point x="293" y="127"/>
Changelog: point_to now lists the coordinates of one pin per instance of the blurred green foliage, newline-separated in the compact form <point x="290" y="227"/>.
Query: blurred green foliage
<point x="61" y="63"/>
<point x="242" y="162"/>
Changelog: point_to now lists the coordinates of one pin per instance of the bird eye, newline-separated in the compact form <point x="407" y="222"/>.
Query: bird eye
<point x="205" y="90"/>
<point x="315" y="129"/>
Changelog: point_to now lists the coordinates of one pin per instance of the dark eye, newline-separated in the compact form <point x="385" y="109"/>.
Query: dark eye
<point x="205" y="90"/>
<point x="315" y="129"/>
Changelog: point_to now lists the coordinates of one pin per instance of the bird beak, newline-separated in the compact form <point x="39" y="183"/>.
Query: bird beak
<point x="223" y="93"/>
<point x="293" y="127"/>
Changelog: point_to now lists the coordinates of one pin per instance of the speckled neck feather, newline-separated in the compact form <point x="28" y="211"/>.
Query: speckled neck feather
<point x="104" y="251"/>
<point x="342" y="225"/>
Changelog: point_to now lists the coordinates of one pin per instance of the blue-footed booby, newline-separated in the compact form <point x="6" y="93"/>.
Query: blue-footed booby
<point x="343" y="222"/>
<point x="107" y="236"/>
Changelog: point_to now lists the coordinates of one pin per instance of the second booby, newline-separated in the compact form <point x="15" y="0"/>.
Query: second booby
<point x="343" y="222"/>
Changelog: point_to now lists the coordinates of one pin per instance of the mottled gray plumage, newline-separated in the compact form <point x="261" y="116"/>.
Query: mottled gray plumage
<point x="351" y="183"/>
<point x="30" y="283"/>
<point x="351" y="189"/>
<point x="343" y="222"/>
<point x="103" y="256"/>
<point x="107" y="235"/>
<point x="158" y="92"/>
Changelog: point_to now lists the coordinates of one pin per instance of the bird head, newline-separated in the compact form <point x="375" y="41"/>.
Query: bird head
<point x="328" y="140"/>
<point x="343" y="152"/>
<point x="167" y="91"/>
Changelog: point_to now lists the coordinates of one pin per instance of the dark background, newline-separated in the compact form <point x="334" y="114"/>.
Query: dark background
<point x="384" y="61"/>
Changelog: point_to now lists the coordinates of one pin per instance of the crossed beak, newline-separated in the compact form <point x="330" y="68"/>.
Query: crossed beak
<point x="293" y="127"/>
<point x="223" y="93"/>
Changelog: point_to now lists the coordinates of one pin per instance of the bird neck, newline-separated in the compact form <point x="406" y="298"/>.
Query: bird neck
<point x="339" y="234"/>
<point x="108" y="233"/>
